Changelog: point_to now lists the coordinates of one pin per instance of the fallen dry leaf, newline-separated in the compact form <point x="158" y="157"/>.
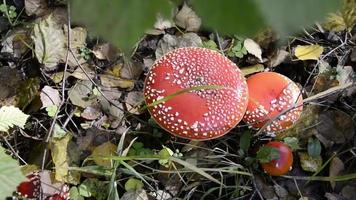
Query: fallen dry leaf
<point x="131" y="70"/>
<point x="80" y="94"/>
<point x="336" y="166"/>
<point x="112" y="81"/>
<point x="49" y="97"/>
<point x="308" y="52"/>
<point x="162" y="23"/>
<point x="170" y="42"/>
<point x="49" y="41"/>
<point x="253" y="48"/>
<point x="106" y="51"/>
<point x="91" y="112"/>
<point x="78" y="35"/>
<point x="134" y="98"/>
<point x="81" y="75"/>
<point x="15" y="42"/>
<point x="61" y="160"/>
<point x="280" y="57"/>
<point x="187" y="19"/>
<point x="104" y="150"/>
<point x="36" y="7"/>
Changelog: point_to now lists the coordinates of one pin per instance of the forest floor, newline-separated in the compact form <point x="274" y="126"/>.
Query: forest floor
<point x="86" y="128"/>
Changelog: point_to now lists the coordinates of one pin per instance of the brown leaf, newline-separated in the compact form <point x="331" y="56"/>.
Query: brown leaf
<point x="106" y="51"/>
<point x="112" y="81"/>
<point x="36" y="7"/>
<point x="336" y="166"/>
<point x="131" y="70"/>
<point x="49" y="97"/>
<point x="14" y="42"/>
<point x="170" y="42"/>
<point x="81" y="75"/>
<point x="104" y="150"/>
<point x="133" y="100"/>
<point x="186" y="18"/>
<point x="91" y="112"/>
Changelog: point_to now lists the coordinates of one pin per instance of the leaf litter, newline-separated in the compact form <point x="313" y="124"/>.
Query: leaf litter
<point x="103" y="99"/>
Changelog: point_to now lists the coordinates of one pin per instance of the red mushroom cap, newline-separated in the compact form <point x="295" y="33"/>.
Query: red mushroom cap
<point x="199" y="114"/>
<point x="31" y="187"/>
<point x="270" y="94"/>
<point x="281" y="165"/>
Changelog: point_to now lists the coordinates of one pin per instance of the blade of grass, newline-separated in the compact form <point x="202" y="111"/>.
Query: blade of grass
<point x="182" y="91"/>
<point x="137" y="174"/>
<point x="324" y="178"/>
<point x="195" y="169"/>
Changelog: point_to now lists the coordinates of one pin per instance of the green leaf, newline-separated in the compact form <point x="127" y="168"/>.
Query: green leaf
<point x="92" y="187"/>
<point x="231" y="16"/>
<point x="164" y="154"/>
<point x="74" y="194"/>
<point x="51" y="110"/>
<point x="304" y="13"/>
<point x="267" y="154"/>
<point x="11" y="116"/>
<point x="292" y="142"/>
<point x="314" y="147"/>
<point x="10" y="174"/>
<point x="247" y="17"/>
<point x="210" y="44"/>
<point x="245" y="141"/>
<point x="120" y="21"/>
<point x="133" y="184"/>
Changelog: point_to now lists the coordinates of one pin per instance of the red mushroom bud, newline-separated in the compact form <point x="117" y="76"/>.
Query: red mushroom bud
<point x="270" y="96"/>
<point x="198" y="114"/>
<point x="31" y="187"/>
<point x="281" y="165"/>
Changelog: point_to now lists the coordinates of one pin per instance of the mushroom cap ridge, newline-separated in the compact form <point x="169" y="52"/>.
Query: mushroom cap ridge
<point x="198" y="114"/>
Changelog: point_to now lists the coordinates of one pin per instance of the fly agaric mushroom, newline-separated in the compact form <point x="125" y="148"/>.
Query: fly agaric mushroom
<point x="284" y="162"/>
<point x="31" y="187"/>
<point x="272" y="95"/>
<point x="198" y="114"/>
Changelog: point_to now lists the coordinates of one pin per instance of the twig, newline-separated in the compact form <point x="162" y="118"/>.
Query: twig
<point x="50" y="132"/>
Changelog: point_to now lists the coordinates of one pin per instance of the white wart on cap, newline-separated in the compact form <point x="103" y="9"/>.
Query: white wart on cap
<point x="199" y="114"/>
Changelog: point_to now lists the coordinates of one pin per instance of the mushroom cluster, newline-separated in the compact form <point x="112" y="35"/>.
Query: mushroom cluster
<point x="266" y="98"/>
<point x="198" y="114"/>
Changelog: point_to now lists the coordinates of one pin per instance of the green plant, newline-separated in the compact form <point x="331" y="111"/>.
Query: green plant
<point x="237" y="48"/>
<point x="9" y="12"/>
<point x="85" y="53"/>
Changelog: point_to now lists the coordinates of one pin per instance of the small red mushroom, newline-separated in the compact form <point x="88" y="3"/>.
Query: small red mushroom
<point x="30" y="188"/>
<point x="281" y="165"/>
<point x="198" y="114"/>
<point x="270" y="96"/>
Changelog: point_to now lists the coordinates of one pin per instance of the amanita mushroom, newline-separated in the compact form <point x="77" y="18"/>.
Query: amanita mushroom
<point x="281" y="165"/>
<point x="272" y="95"/>
<point x="31" y="187"/>
<point x="198" y="114"/>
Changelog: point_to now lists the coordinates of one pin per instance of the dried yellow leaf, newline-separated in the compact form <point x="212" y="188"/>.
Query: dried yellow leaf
<point x="308" y="52"/>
